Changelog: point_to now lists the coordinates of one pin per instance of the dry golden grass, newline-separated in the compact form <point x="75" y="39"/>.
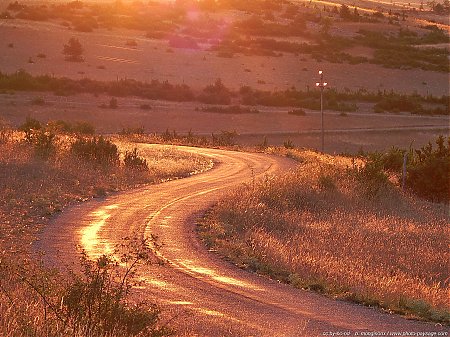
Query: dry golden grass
<point x="324" y="228"/>
<point x="32" y="190"/>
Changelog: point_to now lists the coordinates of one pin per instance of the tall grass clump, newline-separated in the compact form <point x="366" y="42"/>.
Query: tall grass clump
<point x="340" y="227"/>
<point x="42" y="302"/>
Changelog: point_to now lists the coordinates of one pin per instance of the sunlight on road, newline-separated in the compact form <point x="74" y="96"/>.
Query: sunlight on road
<point x="193" y="269"/>
<point x="180" y="302"/>
<point x="90" y="241"/>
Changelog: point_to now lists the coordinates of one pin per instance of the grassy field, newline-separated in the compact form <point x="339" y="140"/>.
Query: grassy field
<point x="35" y="300"/>
<point x="361" y="130"/>
<point x="107" y="56"/>
<point x="332" y="227"/>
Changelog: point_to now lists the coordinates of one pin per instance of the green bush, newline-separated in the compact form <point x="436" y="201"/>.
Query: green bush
<point x="138" y="130"/>
<point x="113" y="103"/>
<point x="81" y="128"/>
<point x="44" y="143"/>
<point x="95" y="306"/>
<point x="225" y="138"/>
<point x="216" y="93"/>
<point x="29" y="127"/>
<point x="288" y="144"/>
<point x="370" y="178"/>
<point x="134" y="162"/>
<point x="392" y="160"/>
<point x="96" y="150"/>
<point x="428" y="169"/>
<point x="73" y="50"/>
<point x="92" y="303"/>
<point x="428" y="173"/>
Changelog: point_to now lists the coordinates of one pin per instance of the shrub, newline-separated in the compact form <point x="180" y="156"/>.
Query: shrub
<point x="44" y="143"/>
<point x="370" y="178"/>
<point x="29" y="127"/>
<point x="288" y="144"/>
<point x="43" y="139"/>
<point x="113" y="103"/>
<point x="345" y="13"/>
<point x="225" y="138"/>
<point x="83" y="128"/>
<point x="93" y="303"/>
<point x="59" y="126"/>
<point x="96" y="150"/>
<point x="132" y="131"/>
<point x="216" y="93"/>
<point x="427" y="169"/>
<point x="73" y="50"/>
<point x="133" y="161"/>
<point x="428" y="173"/>
<point x="392" y="160"/>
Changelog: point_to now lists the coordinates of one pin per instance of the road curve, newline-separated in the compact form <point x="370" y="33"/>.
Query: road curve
<point x="206" y="295"/>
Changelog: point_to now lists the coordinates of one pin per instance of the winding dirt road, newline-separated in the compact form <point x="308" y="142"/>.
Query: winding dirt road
<point x="206" y="295"/>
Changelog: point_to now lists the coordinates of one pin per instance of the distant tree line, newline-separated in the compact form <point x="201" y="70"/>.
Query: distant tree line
<point x="218" y="93"/>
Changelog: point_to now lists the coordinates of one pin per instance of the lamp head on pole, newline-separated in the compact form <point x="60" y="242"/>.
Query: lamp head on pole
<point x="320" y="72"/>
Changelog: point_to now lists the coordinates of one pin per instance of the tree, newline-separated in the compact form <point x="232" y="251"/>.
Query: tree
<point x="73" y="50"/>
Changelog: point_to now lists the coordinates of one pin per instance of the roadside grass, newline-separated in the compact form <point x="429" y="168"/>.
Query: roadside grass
<point x="338" y="228"/>
<point x="167" y="163"/>
<point x="35" y="301"/>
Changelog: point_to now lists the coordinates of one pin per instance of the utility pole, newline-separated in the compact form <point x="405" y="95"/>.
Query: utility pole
<point x="322" y="86"/>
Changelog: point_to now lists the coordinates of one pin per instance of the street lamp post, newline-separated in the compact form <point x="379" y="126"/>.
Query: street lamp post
<point x="322" y="86"/>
